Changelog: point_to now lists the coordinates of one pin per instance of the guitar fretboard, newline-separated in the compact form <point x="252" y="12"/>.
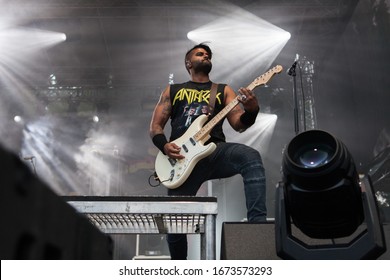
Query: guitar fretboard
<point x="206" y="129"/>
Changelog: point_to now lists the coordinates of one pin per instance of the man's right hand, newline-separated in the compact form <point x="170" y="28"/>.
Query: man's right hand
<point x="173" y="151"/>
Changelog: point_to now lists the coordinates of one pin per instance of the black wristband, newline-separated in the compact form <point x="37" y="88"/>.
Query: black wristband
<point x="248" y="118"/>
<point x="159" y="140"/>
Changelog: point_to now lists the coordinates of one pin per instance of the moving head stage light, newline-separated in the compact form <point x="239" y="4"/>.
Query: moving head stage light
<point x="323" y="196"/>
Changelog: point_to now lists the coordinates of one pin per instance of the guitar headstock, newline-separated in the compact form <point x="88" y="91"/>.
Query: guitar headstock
<point x="263" y="79"/>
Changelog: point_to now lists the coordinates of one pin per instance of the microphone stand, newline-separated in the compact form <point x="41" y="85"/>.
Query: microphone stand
<point x="291" y="72"/>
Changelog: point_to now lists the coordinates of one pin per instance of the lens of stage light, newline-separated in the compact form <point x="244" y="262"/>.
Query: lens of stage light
<point x="322" y="188"/>
<point x="313" y="155"/>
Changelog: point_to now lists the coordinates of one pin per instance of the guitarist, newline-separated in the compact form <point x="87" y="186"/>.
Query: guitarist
<point x="228" y="159"/>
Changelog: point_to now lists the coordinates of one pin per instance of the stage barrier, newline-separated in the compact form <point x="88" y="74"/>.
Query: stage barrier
<point x="153" y="215"/>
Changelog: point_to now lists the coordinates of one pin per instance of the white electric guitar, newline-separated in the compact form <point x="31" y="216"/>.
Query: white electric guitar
<point x="171" y="172"/>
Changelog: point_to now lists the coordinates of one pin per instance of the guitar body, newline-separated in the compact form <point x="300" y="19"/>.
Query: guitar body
<point x="173" y="173"/>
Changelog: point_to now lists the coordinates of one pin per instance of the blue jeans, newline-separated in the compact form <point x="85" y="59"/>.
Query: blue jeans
<point x="227" y="160"/>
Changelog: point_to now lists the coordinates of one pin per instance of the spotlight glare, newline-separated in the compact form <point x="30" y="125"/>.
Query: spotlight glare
<point x="256" y="42"/>
<point x="18" y="119"/>
<point x="259" y="135"/>
<point x="52" y="79"/>
<point x="95" y="119"/>
<point x="190" y="35"/>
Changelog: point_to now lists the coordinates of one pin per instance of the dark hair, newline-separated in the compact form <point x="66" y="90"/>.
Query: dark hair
<point x="202" y="46"/>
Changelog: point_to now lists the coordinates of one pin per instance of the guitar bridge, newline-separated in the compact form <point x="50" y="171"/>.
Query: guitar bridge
<point x="172" y="174"/>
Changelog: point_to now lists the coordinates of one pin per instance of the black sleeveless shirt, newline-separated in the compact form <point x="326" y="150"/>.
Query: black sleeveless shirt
<point x="190" y="100"/>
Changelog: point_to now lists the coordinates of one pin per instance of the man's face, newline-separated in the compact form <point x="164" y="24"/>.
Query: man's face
<point x="200" y="61"/>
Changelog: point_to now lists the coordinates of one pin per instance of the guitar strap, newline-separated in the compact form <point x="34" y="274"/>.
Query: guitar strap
<point x="213" y="94"/>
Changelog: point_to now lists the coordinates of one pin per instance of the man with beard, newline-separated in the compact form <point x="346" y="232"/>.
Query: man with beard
<point x="228" y="159"/>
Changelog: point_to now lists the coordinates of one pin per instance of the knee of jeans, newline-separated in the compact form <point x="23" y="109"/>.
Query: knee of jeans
<point x="253" y="157"/>
<point x="255" y="154"/>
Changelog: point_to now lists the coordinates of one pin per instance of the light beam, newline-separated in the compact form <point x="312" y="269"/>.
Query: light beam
<point x="240" y="42"/>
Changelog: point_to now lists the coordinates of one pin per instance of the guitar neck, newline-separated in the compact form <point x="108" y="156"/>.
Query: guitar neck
<point x="261" y="80"/>
<point x="252" y="85"/>
<point x="206" y="129"/>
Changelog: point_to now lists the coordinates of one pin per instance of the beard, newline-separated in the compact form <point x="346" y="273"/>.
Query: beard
<point x="203" y="67"/>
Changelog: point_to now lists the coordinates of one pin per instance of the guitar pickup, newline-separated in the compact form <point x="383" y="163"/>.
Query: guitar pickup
<point x="172" y="161"/>
<point x="185" y="148"/>
<point x="192" y="141"/>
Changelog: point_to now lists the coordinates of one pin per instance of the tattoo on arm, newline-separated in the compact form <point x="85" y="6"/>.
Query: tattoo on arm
<point x="166" y="103"/>
<point x="160" y="116"/>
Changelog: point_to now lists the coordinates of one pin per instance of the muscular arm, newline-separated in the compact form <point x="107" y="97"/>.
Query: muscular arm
<point x="250" y="105"/>
<point x="161" y="115"/>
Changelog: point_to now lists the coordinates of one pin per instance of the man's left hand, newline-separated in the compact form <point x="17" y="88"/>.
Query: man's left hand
<point x="248" y="100"/>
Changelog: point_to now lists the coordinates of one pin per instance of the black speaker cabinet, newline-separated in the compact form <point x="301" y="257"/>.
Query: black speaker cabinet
<point x="256" y="241"/>
<point x="248" y="241"/>
<point x="38" y="224"/>
<point x="386" y="232"/>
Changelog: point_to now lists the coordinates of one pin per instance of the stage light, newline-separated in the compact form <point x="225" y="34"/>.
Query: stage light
<point x="322" y="186"/>
<point x="171" y="79"/>
<point x="321" y="194"/>
<point x="190" y="35"/>
<point x="95" y="119"/>
<point x="53" y="79"/>
<point x="17" y="119"/>
<point x="21" y="52"/>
